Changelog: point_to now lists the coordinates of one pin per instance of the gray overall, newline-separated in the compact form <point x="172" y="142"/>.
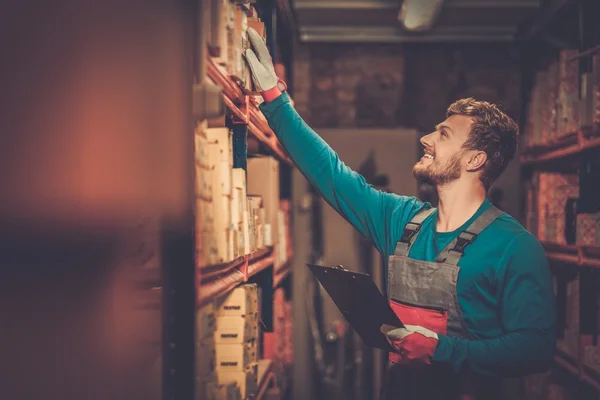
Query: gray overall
<point x="424" y="293"/>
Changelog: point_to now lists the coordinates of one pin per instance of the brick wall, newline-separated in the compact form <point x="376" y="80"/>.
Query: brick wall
<point x="411" y="85"/>
<point x="388" y="85"/>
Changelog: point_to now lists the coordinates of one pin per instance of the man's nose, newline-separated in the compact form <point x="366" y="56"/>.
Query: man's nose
<point x="426" y="140"/>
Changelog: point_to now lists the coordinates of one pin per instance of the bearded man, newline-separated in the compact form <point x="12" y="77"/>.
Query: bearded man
<point x="471" y="285"/>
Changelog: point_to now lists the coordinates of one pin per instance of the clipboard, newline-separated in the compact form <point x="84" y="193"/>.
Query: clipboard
<point x="360" y="301"/>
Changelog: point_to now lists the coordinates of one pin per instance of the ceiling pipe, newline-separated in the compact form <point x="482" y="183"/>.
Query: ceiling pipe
<point x="419" y="15"/>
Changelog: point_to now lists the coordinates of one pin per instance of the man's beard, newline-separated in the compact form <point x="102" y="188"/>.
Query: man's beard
<point x="437" y="175"/>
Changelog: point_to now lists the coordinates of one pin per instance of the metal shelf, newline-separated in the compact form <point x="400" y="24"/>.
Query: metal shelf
<point x="575" y="255"/>
<point x="211" y="271"/>
<point x="568" y="364"/>
<point x="577" y="369"/>
<point x="245" y="108"/>
<point x="586" y="140"/>
<point x="236" y="275"/>
<point x="265" y="377"/>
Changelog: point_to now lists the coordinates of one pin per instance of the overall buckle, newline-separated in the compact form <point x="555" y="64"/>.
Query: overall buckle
<point x="463" y="240"/>
<point x="410" y="230"/>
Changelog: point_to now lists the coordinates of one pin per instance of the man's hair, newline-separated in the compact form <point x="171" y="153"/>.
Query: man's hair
<point x="492" y="132"/>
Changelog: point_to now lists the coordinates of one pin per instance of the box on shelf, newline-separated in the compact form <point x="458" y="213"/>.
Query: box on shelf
<point x="204" y="183"/>
<point x="222" y="18"/>
<point x="237" y="356"/>
<point x="247" y="380"/>
<point x="228" y="391"/>
<point x="240" y="302"/>
<point x="554" y="191"/>
<point x="236" y="329"/>
<point x="263" y="181"/>
<point x="223" y="139"/>
<point x="201" y="145"/>
<point x="586" y="103"/>
<point x="596" y="88"/>
<point x="206" y="361"/>
<point x="206" y="323"/>
<point x="588" y="230"/>
<point x="239" y="196"/>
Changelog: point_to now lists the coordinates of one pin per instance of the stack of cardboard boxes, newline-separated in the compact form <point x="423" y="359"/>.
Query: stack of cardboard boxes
<point x="556" y="108"/>
<point x="229" y="222"/>
<point x="569" y="305"/>
<point x="228" y="347"/>
<point x="590" y="95"/>
<point x="553" y="194"/>
<point x="282" y="339"/>
<point x="228" y="37"/>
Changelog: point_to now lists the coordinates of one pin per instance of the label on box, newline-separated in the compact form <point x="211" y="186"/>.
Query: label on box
<point x="236" y="357"/>
<point x="236" y="329"/>
<point x="241" y="301"/>
<point x="247" y="381"/>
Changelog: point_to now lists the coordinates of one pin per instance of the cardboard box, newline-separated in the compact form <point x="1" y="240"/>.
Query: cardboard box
<point x="206" y="323"/>
<point x="245" y="234"/>
<point x="229" y="391"/>
<point x="201" y="145"/>
<point x="221" y="213"/>
<point x="588" y="230"/>
<point x="207" y="389"/>
<point x="222" y="138"/>
<point x="204" y="214"/>
<point x="247" y="380"/>
<point x="258" y="26"/>
<point x="232" y="330"/>
<point x="213" y="248"/>
<point x="596" y="88"/>
<point x="204" y="183"/>
<point x="237" y="356"/>
<point x="238" y="206"/>
<point x="222" y="178"/>
<point x="263" y="180"/>
<point x="206" y="361"/>
<point x="240" y="302"/>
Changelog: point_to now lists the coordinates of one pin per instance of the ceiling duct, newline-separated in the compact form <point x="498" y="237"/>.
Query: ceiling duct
<point x="419" y="15"/>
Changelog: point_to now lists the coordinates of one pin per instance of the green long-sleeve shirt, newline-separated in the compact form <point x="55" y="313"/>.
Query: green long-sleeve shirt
<point x="504" y="289"/>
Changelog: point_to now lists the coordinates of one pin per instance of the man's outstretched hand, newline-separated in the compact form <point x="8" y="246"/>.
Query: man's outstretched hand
<point x="415" y="344"/>
<point x="261" y="66"/>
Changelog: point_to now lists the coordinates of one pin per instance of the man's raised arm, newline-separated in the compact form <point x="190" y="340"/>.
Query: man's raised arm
<point x="369" y="210"/>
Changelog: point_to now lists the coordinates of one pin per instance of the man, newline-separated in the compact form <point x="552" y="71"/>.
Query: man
<point x="469" y="282"/>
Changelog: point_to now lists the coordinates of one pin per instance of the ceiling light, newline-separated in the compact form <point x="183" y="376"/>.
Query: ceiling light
<point x="419" y="15"/>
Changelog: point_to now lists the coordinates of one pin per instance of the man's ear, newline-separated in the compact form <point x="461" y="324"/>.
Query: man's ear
<point x="476" y="160"/>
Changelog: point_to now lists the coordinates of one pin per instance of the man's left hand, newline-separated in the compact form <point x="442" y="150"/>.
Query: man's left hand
<point x="415" y="344"/>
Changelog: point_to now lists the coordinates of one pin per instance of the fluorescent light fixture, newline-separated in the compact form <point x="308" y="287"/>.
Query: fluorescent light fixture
<point x="419" y="15"/>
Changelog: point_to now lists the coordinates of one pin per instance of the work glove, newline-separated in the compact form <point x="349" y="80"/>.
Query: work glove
<point x="414" y="344"/>
<point x="261" y="67"/>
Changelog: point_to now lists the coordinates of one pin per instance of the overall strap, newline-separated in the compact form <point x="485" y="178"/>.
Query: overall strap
<point x="411" y="231"/>
<point x="456" y="248"/>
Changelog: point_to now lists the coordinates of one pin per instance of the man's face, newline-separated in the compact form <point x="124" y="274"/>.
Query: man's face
<point x="442" y="162"/>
